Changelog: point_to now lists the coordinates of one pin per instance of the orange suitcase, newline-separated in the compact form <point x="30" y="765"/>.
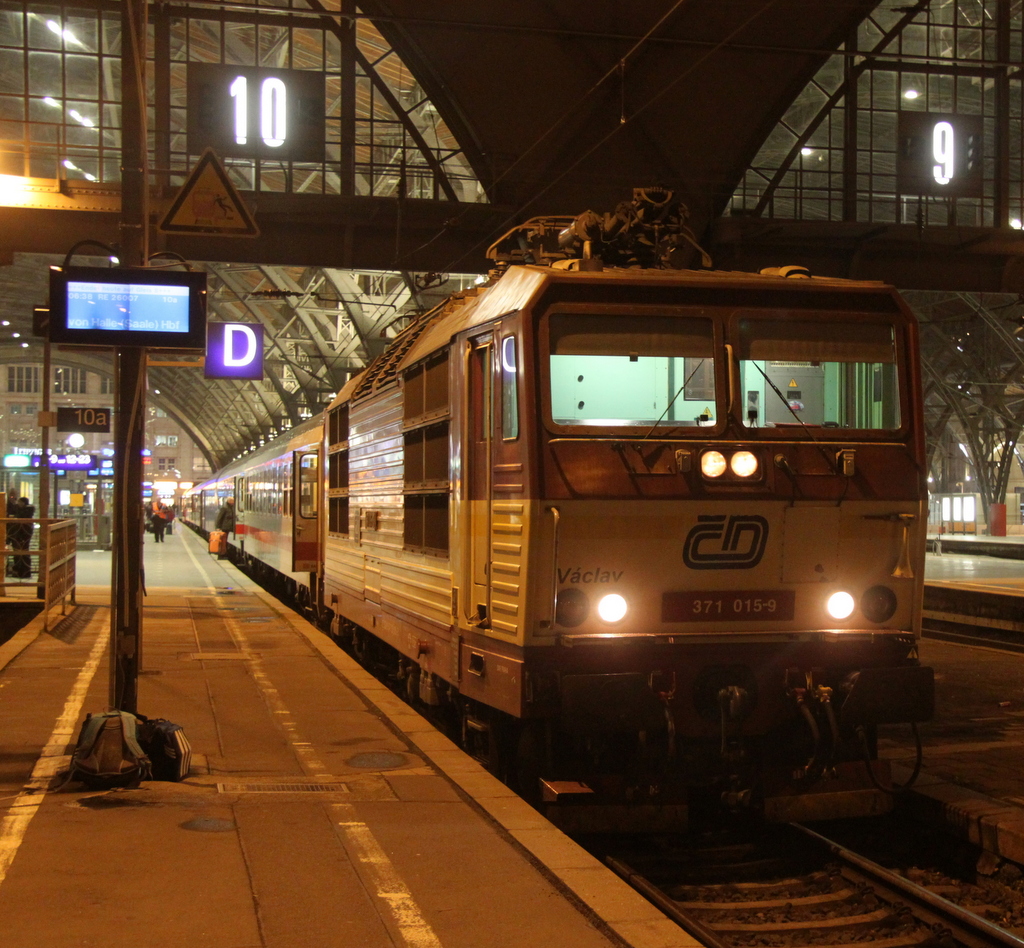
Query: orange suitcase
<point x="218" y="542"/>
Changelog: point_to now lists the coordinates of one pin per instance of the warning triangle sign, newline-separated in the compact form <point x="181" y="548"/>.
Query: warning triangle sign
<point x="209" y="204"/>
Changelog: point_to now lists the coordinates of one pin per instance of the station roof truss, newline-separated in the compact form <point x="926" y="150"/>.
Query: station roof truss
<point x="321" y="326"/>
<point x="973" y="381"/>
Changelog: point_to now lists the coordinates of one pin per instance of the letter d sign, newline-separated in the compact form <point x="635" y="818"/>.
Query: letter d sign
<point x="234" y="351"/>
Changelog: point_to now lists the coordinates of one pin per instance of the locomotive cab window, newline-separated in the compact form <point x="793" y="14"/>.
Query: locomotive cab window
<point x="631" y="370"/>
<point x="509" y="390"/>
<point x="831" y="373"/>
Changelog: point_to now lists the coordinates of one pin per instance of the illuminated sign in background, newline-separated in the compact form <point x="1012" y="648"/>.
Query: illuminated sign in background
<point x="234" y="351"/>
<point x="63" y="462"/>
<point x="940" y="154"/>
<point x="252" y="112"/>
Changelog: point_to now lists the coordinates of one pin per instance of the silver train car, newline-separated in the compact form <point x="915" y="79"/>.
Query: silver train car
<point x="277" y="495"/>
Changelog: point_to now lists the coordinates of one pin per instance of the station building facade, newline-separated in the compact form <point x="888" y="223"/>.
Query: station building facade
<point x="171" y="464"/>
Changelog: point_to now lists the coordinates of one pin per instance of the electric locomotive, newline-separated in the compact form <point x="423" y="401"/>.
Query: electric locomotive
<point x="649" y="535"/>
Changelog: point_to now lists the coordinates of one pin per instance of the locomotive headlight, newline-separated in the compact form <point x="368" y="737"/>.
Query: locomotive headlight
<point x="743" y="464"/>
<point x="712" y="464"/>
<point x="840" y="605"/>
<point x="612" y="608"/>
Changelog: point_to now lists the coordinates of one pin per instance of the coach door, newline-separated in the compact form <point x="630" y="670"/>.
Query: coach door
<point x="306" y="511"/>
<point x="480" y="433"/>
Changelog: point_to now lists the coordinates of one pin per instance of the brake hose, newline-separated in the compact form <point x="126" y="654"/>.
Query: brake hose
<point x="896" y="788"/>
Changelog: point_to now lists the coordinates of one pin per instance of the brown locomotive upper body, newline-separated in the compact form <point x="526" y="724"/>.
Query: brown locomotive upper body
<point x="662" y="530"/>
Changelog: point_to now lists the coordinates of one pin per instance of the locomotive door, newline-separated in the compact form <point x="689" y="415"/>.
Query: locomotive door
<point x="480" y="423"/>
<point x="305" y="511"/>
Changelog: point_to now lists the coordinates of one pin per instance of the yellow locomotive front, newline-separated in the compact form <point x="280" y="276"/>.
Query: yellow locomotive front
<point x="731" y="513"/>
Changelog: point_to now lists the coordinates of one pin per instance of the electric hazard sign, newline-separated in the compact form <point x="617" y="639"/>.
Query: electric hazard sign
<point x="209" y="205"/>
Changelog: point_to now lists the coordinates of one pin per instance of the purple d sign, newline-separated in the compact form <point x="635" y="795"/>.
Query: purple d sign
<point x="234" y="351"/>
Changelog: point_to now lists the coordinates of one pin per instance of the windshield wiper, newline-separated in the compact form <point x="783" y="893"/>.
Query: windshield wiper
<point x="780" y="459"/>
<point x="668" y="407"/>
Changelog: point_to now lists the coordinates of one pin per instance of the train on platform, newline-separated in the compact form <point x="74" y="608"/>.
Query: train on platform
<point x="648" y="536"/>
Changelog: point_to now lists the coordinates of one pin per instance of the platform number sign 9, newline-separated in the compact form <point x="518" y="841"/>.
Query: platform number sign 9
<point x="251" y="112"/>
<point x="940" y="154"/>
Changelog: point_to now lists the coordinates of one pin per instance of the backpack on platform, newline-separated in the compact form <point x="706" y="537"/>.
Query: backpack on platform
<point x="167" y="746"/>
<point x="108" y="753"/>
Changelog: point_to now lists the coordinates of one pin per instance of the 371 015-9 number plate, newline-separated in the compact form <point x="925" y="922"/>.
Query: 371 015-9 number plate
<point x="768" y="605"/>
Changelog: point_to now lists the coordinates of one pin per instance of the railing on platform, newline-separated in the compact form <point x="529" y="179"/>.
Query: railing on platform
<point x="52" y="548"/>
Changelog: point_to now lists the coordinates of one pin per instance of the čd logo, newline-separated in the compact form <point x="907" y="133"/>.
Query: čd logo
<point x="717" y="543"/>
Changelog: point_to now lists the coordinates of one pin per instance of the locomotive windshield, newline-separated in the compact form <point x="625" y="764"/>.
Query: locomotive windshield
<point x="631" y="370"/>
<point x="830" y="373"/>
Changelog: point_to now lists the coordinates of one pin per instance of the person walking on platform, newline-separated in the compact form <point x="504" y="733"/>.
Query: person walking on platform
<point x="225" y="522"/>
<point x="160" y="518"/>
<point x="20" y="535"/>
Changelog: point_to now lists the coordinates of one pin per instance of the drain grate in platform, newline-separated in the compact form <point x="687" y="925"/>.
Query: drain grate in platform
<point x="282" y="788"/>
<point x="218" y="656"/>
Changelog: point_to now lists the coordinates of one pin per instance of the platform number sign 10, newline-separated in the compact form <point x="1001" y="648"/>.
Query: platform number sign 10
<point x="940" y="155"/>
<point x="251" y="112"/>
<point x="273" y="111"/>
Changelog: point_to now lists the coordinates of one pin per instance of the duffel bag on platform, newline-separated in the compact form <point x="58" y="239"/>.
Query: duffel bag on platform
<point x="169" y="751"/>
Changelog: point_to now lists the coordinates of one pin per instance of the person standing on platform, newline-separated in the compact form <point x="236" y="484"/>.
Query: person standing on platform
<point x="20" y="535"/>
<point x="225" y="521"/>
<point x="159" y="520"/>
<point x="11" y="529"/>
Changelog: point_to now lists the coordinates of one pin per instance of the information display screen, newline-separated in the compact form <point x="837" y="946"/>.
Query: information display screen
<point x="131" y="307"/>
<point x="148" y="307"/>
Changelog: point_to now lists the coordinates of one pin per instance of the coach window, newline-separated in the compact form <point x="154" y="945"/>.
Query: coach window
<point x="309" y="469"/>
<point x="509" y="390"/>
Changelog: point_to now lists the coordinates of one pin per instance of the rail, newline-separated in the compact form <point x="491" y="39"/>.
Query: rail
<point x="780" y="889"/>
<point x="989" y="616"/>
<point x="51" y="550"/>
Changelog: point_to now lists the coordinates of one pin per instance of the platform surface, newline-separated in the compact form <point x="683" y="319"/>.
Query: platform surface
<point x="321" y="811"/>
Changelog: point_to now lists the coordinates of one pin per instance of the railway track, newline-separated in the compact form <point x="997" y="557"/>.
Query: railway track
<point x="798" y="889"/>
<point x="974" y="616"/>
<point x="967" y="632"/>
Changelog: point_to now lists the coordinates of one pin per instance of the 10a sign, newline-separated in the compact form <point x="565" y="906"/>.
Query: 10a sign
<point x="252" y="112"/>
<point x="83" y="419"/>
<point x="940" y="154"/>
